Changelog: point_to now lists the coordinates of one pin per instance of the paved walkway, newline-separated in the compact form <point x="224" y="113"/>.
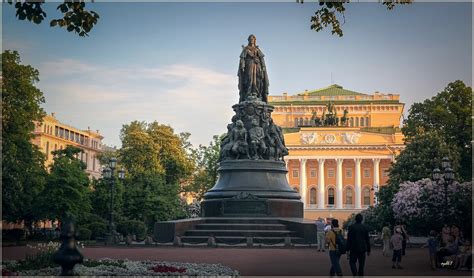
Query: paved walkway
<point x="264" y="261"/>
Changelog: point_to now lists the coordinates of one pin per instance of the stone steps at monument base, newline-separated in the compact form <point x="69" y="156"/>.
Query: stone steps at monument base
<point x="243" y="233"/>
<point x="240" y="226"/>
<point x="242" y="220"/>
<point x="240" y="240"/>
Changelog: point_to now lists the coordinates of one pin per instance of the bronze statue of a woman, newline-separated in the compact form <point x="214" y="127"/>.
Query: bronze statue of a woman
<point x="253" y="78"/>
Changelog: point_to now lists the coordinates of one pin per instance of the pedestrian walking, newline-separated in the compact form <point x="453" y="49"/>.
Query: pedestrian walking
<point x="386" y="234"/>
<point x="336" y="247"/>
<point x="396" y="242"/>
<point x="358" y="244"/>
<point x="321" y="235"/>
<point x="404" y="235"/>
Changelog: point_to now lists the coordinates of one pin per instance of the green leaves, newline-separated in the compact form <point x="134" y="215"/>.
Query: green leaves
<point x="75" y="16"/>
<point x="23" y="173"/>
<point x="449" y="115"/>
<point x="330" y="12"/>
<point x="67" y="185"/>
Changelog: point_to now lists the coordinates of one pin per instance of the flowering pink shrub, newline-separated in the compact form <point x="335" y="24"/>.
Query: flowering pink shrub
<point x="423" y="203"/>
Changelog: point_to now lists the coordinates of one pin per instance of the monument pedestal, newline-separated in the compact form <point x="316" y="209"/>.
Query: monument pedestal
<point x="252" y="188"/>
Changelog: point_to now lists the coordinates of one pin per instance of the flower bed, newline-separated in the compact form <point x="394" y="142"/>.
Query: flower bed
<point x="110" y="267"/>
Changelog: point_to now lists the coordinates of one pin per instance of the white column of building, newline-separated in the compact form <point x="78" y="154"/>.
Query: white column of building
<point x="357" y="183"/>
<point x="303" y="181"/>
<point x="321" y="186"/>
<point x="376" y="162"/>
<point x="339" y="183"/>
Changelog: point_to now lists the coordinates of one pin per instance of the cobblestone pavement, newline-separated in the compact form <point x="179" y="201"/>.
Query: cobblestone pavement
<point x="264" y="261"/>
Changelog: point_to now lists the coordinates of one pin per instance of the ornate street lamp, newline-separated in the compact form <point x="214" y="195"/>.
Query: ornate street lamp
<point x="109" y="174"/>
<point x="447" y="177"/>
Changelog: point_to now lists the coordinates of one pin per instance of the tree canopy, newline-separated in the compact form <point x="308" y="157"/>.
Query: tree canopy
<point x="448" y="114"/>
<point x="75" y="17"/>
<point x="331" y="13"/>
<point x="205" y="175"/>
<point x="23" y="173"/>
<point x="66" y="193"/>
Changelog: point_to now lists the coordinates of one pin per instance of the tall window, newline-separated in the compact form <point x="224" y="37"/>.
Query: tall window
<point x="349" y="196"/>
<point x="357" y="122"/>
<point x="362" y="122"/>
<point x="366" y="173"/>
<point x="331" y="172"/>
<point x="312" y="196"/>
<point x="296" y="122"/>
<point x="367" y="121"/>
<point x="295" y="173"/>
<point x="366" y="197"/>
<point x="348" y="172"/>
<point x="301" y="121"/>
<point x="47" y="149"/>
<point x="331" y="196"/>
<point x="312" y="172"/>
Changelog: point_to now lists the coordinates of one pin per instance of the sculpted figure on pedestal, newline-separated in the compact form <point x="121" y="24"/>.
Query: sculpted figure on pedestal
<point x="239" y="140"/>
<point x="253" y="78"/>
<point x="257" y="145"/>
<point x="226" y="143"/>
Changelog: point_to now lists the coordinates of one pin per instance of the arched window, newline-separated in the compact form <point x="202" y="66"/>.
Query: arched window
<point x="301" y="121"/>
<point x="296" y="122"/>
<point x="357" y="121"/>
<point x="366" y="196"/>
<point x="351" y="123"/>
<point x="367" y="121"/>
<point x="349" y="196"/>
<point x="312" y="196"/>
<point x="331" y="196"/>
<point x="362" y="122"/>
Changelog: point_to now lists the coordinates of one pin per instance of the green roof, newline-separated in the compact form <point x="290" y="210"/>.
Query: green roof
<point x="333" y="90"/>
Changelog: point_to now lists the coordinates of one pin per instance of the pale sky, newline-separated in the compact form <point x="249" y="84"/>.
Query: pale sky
<point x="177" y="62"/>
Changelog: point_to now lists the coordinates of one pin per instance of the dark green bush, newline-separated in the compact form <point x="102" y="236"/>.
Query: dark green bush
<point x="98" y="229"/>
<point x="132" y="227"/>
<point x="84" y="234"/>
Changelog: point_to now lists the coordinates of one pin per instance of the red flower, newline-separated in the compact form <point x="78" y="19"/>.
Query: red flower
<point x="167" y="269"/>
<point x="6" y="272"/>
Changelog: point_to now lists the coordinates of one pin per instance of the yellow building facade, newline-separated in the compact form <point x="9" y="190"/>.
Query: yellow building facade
<point x="337" y="169"/>
<point x="51" y="135"/>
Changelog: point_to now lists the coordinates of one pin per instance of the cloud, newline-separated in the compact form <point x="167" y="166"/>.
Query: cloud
<point x="187" y="97"/>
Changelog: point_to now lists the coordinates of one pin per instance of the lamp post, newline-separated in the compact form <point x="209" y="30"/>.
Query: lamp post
<point x="448" y="177"/>
<point x="109" y="174"/>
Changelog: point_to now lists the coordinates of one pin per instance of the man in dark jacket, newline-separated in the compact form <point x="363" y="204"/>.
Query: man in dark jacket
<point x="357" y="245"/>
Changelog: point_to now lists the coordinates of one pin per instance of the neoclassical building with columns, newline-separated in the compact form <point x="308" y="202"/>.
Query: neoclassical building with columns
<point x="338" y="168"/>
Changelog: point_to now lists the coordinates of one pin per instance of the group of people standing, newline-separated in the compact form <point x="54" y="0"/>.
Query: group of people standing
<point x="357" y="245"/>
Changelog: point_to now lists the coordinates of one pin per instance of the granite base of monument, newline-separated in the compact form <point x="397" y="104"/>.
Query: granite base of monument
<point x="247" y="188"/>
